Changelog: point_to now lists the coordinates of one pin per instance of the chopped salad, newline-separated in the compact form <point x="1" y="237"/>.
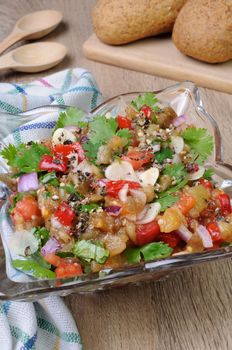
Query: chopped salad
<point x="115" y="191"/>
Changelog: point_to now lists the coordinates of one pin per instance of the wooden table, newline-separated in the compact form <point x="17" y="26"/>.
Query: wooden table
<point x="190" y="311"/>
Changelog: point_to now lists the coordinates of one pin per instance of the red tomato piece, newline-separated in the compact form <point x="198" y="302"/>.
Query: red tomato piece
<point x="27" y="208"/>
<point x="147" y="111"/>
<point x="53" y="259"/>
<point x="124" y="122"/>
<point x="65" y="214"/>
<point x="186" y="203"/>
<point x="170" y="238"/>
<point x="138" y="158"/>
<point x="206" y="183"/>
<point x="113" y="187"/>
<point x="225" y="205"/>
<point x="68" y="270"/>
<point x="214" y="231"/>
<point x="48" y="163"/>
<point x="62" y="150"/>
<point x="134" y="141"/>
<point x="147" y="233"/>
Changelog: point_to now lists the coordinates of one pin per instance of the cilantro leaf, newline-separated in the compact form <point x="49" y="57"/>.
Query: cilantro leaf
<point x="175" y="170"/>
<point x="42" y="234"/>
<point x="151" y="251"/>
<point x="208" y="174"/>
<point x="200" y="142"/>
<point x="125" y="134"/>
<point x="70" y="188"/>
<point x="40" y="260"/>
<point x="167" y="201"/>
<point x="165" y="153"/>
<point x="89" y="251"/>
<point x="173" y="189"/>
<point x="102" y="129"/>
<point x="25" y="158"/>
<point x="33" y="268"/>
<point x="87" y="208"/>
<point x="17" y="197"/>
<point x="9" y="153"/>
<point x="91" y="150"/>
<point x="72" y="116"/>
<point x="148" y="99"/>
<point x="50" y="178"/>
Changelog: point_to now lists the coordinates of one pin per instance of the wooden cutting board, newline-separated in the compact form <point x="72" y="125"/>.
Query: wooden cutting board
<point x="159" y="56"/>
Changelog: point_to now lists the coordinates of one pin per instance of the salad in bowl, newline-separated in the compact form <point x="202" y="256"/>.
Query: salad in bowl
<point x="111" y="192"/>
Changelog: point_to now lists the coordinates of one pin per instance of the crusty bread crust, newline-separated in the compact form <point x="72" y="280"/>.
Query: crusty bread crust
<point x="119" y="22"/>
<point x="203" y="30"/>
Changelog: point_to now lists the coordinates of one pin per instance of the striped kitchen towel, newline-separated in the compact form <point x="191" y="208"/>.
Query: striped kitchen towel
<point x="46" y="324"/>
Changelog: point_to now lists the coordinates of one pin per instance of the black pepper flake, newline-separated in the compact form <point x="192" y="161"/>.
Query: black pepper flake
<point x="56" y="161"/>
<point x="83" y="222"/>
<point x="74" y="197"/>
<point x="68" y="142"/>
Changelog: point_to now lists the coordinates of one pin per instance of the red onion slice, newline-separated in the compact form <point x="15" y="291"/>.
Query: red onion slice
<point x="28" y="182"/>
<point x="52" y="246"/>
<point x="205" y="236"/>
<point x="180" y="120"/>
<point x="184" y="233"/>
<point x="113" y="210"/>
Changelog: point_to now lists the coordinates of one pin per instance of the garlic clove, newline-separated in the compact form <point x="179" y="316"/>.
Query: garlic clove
<point x="150" y="214"/>
<point x="120" y="170"/>
<point x="148" y="177"/>
<point x="176" y="159"/>
<point x="23" y="243"/>
<point x="61" y="135"/>
<point x="197" y="174"/>
<point x="177" y="143"/>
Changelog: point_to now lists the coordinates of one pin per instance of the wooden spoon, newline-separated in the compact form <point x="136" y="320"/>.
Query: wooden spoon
<point x="32" y="26"/>
<point x="34" y="57"/>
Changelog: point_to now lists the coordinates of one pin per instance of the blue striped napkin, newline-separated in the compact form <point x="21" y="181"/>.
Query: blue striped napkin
<point x="45" y="324"/>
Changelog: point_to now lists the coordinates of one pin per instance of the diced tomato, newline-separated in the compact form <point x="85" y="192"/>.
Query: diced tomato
<point x="48" y="163"/>
<point x="68" y="270"/>
<point x="53" y="259"/>
<point x="186" y="203"/>
<point x="65" y="214"/>
<point x="147" y="111"/>
<point x="62" y="150"/>
<point x="147" y="233"/>
<point x="225" y="205"/>
<point x="214" y="231"/>
<point x="206" y="183"/>
<point x="27" y="208"/>
<point x="113" y="187"/>
<point x="170" y="238"/>
<point x="123" y="122"/>
<point x="134" y="141"/>
<point x="138" y="158"/>
<point x="64" y="268"/>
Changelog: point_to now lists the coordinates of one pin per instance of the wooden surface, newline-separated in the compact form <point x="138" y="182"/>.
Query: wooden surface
<point x="159" y="56"/>
<point x="190" y="311"/>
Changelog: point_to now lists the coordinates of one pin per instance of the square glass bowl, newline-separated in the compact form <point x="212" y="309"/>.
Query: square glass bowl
<point x="184" y="99"/>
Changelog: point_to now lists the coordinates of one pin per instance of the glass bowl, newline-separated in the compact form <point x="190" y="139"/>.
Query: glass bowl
<point x="184" y="98"/>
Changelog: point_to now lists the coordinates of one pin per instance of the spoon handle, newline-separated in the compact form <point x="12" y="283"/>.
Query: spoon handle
<point x="12" y="38"/>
